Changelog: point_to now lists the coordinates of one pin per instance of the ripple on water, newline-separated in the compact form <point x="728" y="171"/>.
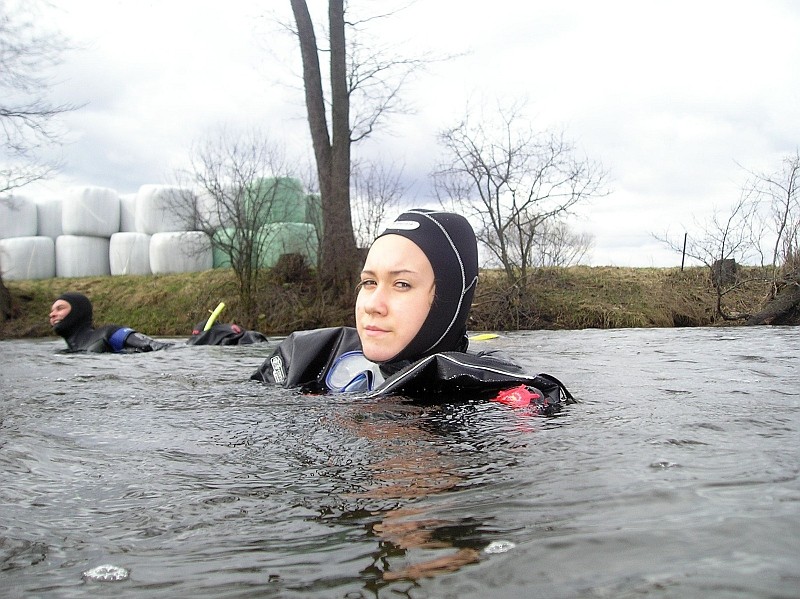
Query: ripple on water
<point x="15" y="553"/>
<point x="682" y="446"/>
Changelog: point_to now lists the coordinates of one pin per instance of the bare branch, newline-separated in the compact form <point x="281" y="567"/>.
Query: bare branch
<point x="236" y="187"/>
<point x="28" y="121"/>
<point x="726" y="239"/>
<point x="377" y="190"/>
<point x="514" y="181"/>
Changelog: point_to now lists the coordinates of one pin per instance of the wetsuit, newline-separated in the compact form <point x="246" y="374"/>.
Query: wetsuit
<point x="435" y="364"/>
<point x="77" y="331"/>
<point x="310" y="360"/>
<point x="224" y="334"/>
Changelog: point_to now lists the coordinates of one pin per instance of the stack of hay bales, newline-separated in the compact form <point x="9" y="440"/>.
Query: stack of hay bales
<point x="165" y="213"/>
<point x="291" y="225"/>
<point x="129" y="250"/>
<point x="94" y="231"/>
<point x="89" y="217"/>
<point x="127" y="212"/>
<point x="283" y="224"/>
<point x="49" y="218"/>
<point x="24" y="253"/>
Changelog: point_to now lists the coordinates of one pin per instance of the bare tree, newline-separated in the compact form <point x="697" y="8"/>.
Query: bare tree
<point x="376" y="189"/>
<point x="764" y="226"/>
<point x="780" y="193"/>
<point x="27" y="119"/>
<point x="237" y="185"/>
<point x="778" y="196"/>
<point x="556" y="244"/>
<point x="331" y="149"/>
<point x="725" y="240"/>
<point x="512" y="181"/>
<point x="359" y="76"/>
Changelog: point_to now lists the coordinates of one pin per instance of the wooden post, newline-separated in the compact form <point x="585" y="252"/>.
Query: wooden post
<point x="683" y="254"/>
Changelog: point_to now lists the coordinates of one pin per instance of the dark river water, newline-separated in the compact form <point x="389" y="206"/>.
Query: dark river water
<point x="676" y="475"/>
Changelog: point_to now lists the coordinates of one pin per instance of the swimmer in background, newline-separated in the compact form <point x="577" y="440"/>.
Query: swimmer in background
<point x="71" y="318"/>
<point x="411" y="314"/>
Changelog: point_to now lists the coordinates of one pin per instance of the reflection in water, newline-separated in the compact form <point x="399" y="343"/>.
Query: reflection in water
<point x="423" y="453"/>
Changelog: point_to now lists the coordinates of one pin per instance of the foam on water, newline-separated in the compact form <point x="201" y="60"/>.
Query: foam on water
<point x="106" y="573"/>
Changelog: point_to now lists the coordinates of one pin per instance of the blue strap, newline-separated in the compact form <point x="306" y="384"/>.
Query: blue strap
<point x="117" y="340"/>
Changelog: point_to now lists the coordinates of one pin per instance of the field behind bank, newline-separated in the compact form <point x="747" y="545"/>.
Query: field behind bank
<point x="564" y="298"/>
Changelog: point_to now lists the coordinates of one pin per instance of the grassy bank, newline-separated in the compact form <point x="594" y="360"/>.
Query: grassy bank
<point x="611" y="297"/>
<point x="571" y="298"/>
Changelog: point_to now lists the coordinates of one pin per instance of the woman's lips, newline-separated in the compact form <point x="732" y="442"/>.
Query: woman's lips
<point x="374" y="330"/>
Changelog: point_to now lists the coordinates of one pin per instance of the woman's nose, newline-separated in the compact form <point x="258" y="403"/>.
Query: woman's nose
<point x="375" y="302"/>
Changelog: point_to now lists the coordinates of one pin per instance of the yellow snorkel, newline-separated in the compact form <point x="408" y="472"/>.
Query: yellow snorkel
<point x="214" y="315"/>
<point x="484" y="337"/>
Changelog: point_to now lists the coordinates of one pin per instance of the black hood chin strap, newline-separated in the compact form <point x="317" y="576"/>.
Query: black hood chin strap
<point x="79" y="317"/>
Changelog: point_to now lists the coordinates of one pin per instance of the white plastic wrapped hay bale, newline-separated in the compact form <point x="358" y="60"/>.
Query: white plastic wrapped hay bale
<point x="164" y="208"/>
<point x="129" y="253"/>
<point x="180" y="251"/>
<point x="90" y="212"/>
<point x="49" y="218"/>
<point x="127" y="212"/>
<point x="212" y="212"/>
<point x="27" y="258"/>
<point x="288" y="238"/>
<point x="18" y="217"/>
<point x="82" y="256"/>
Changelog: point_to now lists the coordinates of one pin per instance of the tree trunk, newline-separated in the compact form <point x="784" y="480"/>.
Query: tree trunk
<point x="7" y="311"/>
<point x="784" y="309"/>
<point x="339" y="254"/>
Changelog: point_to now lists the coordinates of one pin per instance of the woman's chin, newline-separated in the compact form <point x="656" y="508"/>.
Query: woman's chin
<point x="377" y="354"/>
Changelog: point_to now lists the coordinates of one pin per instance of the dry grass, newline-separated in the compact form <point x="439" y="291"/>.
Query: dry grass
<point x="605" y="297"/>
<point x="571" y="298"/>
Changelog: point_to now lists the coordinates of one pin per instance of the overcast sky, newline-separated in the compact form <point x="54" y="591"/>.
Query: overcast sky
<point x="672" y="97"/>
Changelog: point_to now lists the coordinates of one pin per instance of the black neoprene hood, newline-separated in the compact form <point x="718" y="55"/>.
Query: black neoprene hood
<point x="448" y="241"/>
<point x="79" y="317"/>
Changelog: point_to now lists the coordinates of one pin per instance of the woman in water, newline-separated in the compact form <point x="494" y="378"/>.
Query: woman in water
<point x="411" y="314"/>
<point x="71" y="318"/>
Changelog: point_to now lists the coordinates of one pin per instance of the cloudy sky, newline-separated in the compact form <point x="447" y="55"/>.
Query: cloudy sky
<point x="674" y="98"/>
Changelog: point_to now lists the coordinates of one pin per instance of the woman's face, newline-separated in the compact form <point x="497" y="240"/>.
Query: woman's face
<point x="396" y="292"/>
<point x="59" y="311"/>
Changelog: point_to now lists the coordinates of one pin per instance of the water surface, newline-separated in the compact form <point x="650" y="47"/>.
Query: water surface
<point x="675" y="476"/>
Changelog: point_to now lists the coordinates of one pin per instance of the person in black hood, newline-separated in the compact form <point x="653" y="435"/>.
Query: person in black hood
<point x="416" y="287"/>
<point x="71" y="318"/>
<point x="223" y="334"/>
<point x="411" y="313"/>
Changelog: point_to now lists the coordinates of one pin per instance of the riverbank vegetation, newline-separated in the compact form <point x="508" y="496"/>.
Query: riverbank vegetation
<point x="554" y="298"/>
